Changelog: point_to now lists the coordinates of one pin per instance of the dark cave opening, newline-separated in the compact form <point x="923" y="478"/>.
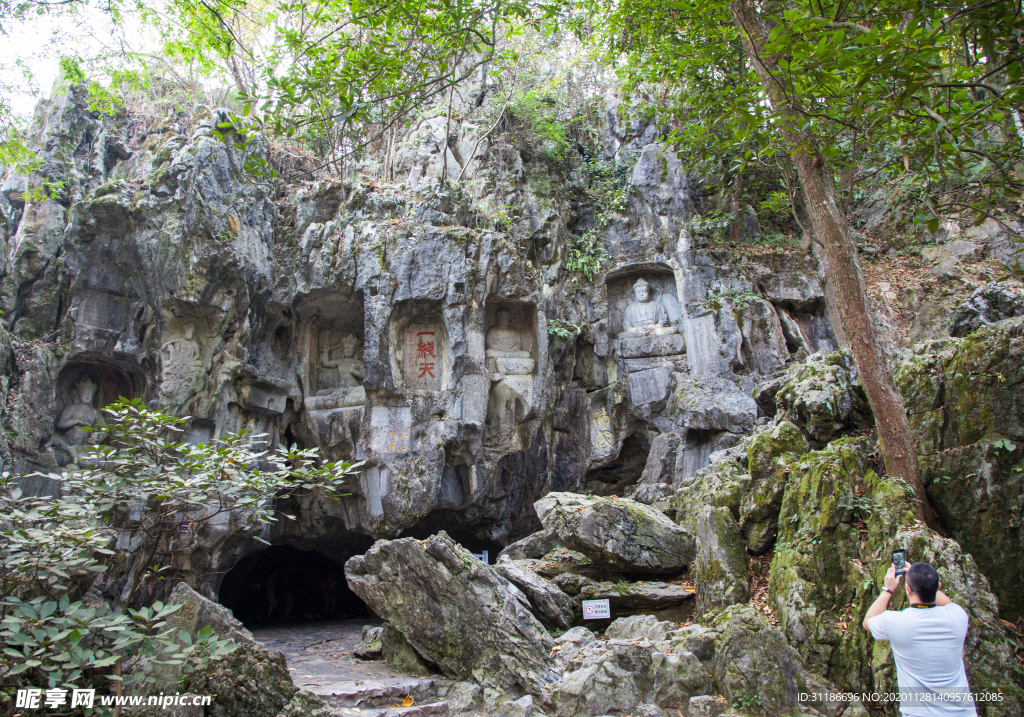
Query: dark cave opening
<point x="285" y="584"/>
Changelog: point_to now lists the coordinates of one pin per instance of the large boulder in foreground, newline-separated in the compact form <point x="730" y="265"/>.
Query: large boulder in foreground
<point x="618" y="532"/>
<point x="457" y="612"/>
<point x="720" y="568"/>
<point x="250" y="680"/>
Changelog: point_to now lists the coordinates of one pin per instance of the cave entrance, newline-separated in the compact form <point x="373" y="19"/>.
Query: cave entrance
<point x="283" y="584"/>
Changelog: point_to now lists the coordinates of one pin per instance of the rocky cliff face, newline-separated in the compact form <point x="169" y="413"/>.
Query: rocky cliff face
<point x="464" y="343"/>
<point x="412" y="327"/>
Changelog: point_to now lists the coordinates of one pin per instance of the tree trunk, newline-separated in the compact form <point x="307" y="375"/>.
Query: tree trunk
<point x="829" y="226"/>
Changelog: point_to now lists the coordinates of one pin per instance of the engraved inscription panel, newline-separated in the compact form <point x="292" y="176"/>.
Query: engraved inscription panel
<point x="423" y="357"/>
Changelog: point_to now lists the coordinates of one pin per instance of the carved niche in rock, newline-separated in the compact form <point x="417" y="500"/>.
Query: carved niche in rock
<point x="181" y="367"/>
<point x="419" y="346"/>
<point x="84" y="387"/>
<point x="339" y="370"/>
<point x="510" y="350"/>
<point x="643" y="309"/>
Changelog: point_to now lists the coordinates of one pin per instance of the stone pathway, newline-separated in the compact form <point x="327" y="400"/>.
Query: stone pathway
<point x="320" y="660"/>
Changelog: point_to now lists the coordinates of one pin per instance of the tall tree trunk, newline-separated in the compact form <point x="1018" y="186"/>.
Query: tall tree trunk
<point x="829" y="225"/>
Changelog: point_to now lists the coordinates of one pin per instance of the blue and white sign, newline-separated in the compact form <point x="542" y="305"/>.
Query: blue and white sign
<point x="596" y="610"/>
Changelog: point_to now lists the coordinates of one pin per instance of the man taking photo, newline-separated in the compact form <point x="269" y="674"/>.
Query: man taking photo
<point x="927" y="642"/>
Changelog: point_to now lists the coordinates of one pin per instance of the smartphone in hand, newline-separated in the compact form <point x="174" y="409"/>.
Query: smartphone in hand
<point x="899" y="561"/>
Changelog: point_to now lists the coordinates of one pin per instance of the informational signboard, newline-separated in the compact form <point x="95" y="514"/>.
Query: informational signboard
<point x="596" y="610"/>
<point x="184" y="527"/>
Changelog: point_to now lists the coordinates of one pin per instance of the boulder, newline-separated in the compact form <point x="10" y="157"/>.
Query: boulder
<point x="618" y="532"/>
<point x="457" y="612"/>
<point x="604" y="678"/>
<point x="398" y="653"/>
<point x="823" y="395"/>
<point x="550" y="604"/>
<point x="370" y="647"/>
<point x="675" y="678"/>
<point x="663" y="600"/>
<point x="754" y="667"/>
<point x="769" y="455"/>
<point x="535" y="545"/>
<point x="988" y="304"/>
<point x="638" y="627"/>
<point x="720" y="569"/>
<point x="251" y="680"/>
<point x="711" y="403"/>
<point x="569" y="643"/>
<point x="965" y="409"/>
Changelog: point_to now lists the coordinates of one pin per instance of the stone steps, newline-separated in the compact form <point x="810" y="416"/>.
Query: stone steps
<point x="380" y="692"/>
<point x="431" y="709"/>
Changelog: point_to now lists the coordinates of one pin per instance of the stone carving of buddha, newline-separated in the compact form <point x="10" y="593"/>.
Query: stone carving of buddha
<point x="76" y="420"/>
<point x="644" y="317"/>
<point x="506" y="348"/>
<point x="181" y="366"/>
<point x="349" y="372"/>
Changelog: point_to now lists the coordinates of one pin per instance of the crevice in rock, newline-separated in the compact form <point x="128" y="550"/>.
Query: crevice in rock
<point x="624" y="471"/>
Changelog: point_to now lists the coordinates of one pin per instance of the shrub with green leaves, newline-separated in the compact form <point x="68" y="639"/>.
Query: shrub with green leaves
<point x="139" y="486"/>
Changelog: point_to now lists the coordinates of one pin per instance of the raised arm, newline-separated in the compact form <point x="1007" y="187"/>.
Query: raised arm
<point x="881" y="603"/>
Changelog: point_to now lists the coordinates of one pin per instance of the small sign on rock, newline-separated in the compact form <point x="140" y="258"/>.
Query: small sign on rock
<point x="596" y="610"/>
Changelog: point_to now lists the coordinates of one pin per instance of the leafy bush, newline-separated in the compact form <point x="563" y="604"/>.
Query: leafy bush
<point x="121" y="505"/>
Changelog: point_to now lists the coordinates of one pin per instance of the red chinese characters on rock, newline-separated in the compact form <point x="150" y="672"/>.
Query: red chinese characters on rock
<point x="423" y="367"/>
<point x="425" y="351"/>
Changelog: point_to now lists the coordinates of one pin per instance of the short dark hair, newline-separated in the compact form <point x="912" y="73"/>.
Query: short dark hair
<point x="923" y="579"/>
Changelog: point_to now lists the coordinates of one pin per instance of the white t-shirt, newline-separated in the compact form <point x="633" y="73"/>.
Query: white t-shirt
<point x="928" y="645"/>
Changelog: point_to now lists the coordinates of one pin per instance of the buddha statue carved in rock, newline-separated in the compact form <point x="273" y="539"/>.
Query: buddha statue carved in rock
<point x="644" y="317"/>
<point x="507" y="348"/>
<point x="79" y="423"/>
<point x="340" y="367"/>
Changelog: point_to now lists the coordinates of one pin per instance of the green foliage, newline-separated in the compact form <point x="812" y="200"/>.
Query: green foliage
<point x="883" y="90"/>
<point x="539" y="112"/>
<point x="586" y="254"/>
<point x="135" y="490"/>
<point x="564" y="330"/>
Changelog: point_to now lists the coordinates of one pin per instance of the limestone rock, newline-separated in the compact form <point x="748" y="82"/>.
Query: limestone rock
<point x="988" y="304"/>
<point x="248" y="681"/>
<point x="619" y="533"/>
<point x="722" y="483"/>
<point x="604" y="678"/>
<point x="676" y="678"/>
<point x="666" y="601"/>
<point x="535" y="545"/>
<point x="720" y="569"/>
<point x="638" y="627"/>
<point x="769" y="456"/>
<point x="552" y="605"/>
<point x="398" y="653"/>
<point x="569" y="643"/>
<point x="572" y="584"/>
<point x="711" y="403"/>
<point x="754" y="665"/>
<point x="456" y="612"/>
<point x="964" y="406"/>
<point x="822" y="395"/>
<point x="370" y="647"/>
<point x="833" y="535"/>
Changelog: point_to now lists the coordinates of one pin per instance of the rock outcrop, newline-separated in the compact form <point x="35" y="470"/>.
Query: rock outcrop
<point x="618" y="533"/>
<point x="456" y="612"/>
